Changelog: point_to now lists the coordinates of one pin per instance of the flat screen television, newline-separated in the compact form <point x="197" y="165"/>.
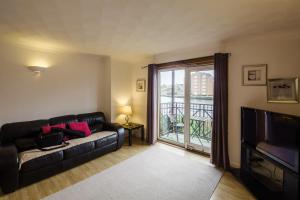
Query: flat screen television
<point x="273" y="134"/>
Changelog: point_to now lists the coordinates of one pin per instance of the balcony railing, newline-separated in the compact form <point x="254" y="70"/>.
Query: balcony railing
<point x="200" y="126"/>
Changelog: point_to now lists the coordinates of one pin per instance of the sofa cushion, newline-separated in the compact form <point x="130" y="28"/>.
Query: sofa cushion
<point x="24" y="144"/>
<point x="97" y="128"/>
<point x="106" y="141"/>
<point x="63" y="119"/>
<point x="42" y="161"/>
<point x="70" y="134"/>
<point x="80" y="126"/>
<point x="47" y="129"/>
<point x="10" y="132"/>
<point x="29" y="155"/>
<point x="79" y="149"/>
<point x="92" y="118"/>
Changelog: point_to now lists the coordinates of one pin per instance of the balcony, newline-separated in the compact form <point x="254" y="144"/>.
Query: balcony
<point x="200" y="126"/>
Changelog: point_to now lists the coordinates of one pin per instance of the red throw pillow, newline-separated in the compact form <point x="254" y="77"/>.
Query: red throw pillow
<point x="47" y="129"/>
<point x="81" y="126"/>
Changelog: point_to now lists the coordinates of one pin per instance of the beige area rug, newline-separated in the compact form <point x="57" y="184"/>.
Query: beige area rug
<point x="153" y="174"/>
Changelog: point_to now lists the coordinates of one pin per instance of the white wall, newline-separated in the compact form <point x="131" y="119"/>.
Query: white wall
<point x="279" y="50"/>
<point x="107" y="88"/>
<point x="192" y="52"/>
<point x="121" y="76"/>
<point x="73" y="83"/>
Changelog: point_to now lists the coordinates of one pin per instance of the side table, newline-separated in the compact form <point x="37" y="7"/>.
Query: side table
<point x="133" y="126"/>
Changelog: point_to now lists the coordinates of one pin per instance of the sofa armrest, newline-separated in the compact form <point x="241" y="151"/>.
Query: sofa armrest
<point x="119" y="129"/>
<point x="8" y="156"/>
<point x="9" y="168"/>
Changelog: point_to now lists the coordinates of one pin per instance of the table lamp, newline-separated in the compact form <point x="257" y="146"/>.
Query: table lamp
<point x="126" y="110"/>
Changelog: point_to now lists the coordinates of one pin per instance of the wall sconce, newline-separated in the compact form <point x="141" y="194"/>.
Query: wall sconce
<point x="36" y="69"/>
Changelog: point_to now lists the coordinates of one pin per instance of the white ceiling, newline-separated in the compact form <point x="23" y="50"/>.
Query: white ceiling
<point x="130" y="28"/>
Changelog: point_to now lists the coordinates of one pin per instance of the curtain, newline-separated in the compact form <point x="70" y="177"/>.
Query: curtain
<point x="219" y="155"/>
<point x="152" y="104"/>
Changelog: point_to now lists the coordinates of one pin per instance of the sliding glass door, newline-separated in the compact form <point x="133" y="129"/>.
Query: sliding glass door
<point x="186" y="107"/>
<point x="200" y="107"/>
<point x="171" y="105"/>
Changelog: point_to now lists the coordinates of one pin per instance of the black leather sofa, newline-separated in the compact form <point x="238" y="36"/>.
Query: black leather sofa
<point x="12" y="176"/>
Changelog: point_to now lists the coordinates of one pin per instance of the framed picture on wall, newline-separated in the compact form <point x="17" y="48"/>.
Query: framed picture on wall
<point x="283" y="90"/>
<point x="255" y="74"/>
<point x="141" y="85"/>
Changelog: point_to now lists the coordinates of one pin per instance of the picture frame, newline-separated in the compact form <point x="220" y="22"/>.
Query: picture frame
<point x="283" y="90"/>
<point x="254" y="75"/>
<point x="141" y="85"/>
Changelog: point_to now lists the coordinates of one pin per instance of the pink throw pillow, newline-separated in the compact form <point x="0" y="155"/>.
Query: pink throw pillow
<point x="81" y="126"/>
<point x="47" y="129"/>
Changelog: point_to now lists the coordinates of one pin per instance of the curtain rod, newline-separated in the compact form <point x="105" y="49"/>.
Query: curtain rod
<point x="143" y="67"/>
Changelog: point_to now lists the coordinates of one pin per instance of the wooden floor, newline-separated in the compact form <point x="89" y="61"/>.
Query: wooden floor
<point x="228" y="187"/>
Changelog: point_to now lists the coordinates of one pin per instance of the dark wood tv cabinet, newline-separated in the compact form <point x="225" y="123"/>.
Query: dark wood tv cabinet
<point x="265" y="177"/>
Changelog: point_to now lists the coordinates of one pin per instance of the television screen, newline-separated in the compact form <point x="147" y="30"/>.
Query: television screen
<point x="282" y="130"/>
<point x="273" y="134"/>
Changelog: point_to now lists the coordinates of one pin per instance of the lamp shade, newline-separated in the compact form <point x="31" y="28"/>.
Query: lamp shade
<point x="126" y="110"/>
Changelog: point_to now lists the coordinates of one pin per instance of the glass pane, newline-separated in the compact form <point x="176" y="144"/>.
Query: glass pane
<point x="165" y="88"/>
<point x="178" y="106"/>
<point x="171" y="106"/>
<point x="201" y="108"/>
